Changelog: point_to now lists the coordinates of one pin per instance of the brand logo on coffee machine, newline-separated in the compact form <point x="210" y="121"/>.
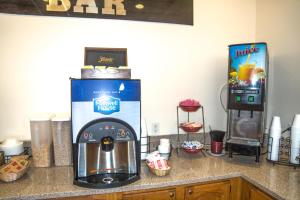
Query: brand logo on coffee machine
<point x="106" y="105"/>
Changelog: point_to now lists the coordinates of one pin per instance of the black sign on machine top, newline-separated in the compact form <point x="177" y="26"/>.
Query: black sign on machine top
<point x="110" y="57"/>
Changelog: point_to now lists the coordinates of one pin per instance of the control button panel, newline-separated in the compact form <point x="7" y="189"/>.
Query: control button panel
<point x="238" y="98"/>
<point x="122" y="133"/>
<point x="95" y="132"/>
<point x="245" y="98"/>
<point x="251" y="99"/>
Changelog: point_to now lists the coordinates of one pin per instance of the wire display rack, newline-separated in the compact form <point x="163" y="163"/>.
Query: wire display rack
<point x="200" y="112"/>
<point x="284" y="151"/>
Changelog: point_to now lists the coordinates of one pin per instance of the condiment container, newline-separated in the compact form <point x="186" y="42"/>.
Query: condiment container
<point x="12" y="147"/>
<point x="164" y="148"/>
<point x="61" y="132"/>
<point x="41" y="140"/>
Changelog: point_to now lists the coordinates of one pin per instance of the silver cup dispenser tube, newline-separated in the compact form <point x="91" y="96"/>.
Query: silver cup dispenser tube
<point x="106" y="154"/>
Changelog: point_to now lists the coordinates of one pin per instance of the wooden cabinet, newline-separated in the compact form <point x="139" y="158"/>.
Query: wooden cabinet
<point x="105" y="197"/>
<point x="250" y="192"/>
<point x="256" y="194"/>
<point x="230" y="189"/>
<point x="167" y="194"/>
<point x="76" y="198"/>
<point x="212" y="191"/>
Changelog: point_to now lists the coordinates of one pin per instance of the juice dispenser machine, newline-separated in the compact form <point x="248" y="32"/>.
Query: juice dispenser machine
<point x="106" y="131"/>
<point x="247" y="80"/>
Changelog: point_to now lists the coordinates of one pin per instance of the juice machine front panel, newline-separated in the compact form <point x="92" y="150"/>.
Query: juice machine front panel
<point x="247" y="83"/>
<point x="106" y="131"/>
<point x="247" y="76"/>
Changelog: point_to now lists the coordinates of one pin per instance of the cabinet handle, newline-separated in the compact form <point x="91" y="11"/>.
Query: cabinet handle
<point x="172" y="194"/>
<point x="190" y="191"/>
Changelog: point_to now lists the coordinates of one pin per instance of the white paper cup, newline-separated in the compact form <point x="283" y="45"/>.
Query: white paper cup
<point x="276" y="124"/>
<point x="294" y="154"/>
<point x="164" y="148"/>
<point x="295" y="144"/>
<point x="296" y="121"/>
<point x="275" y="133"/>
<point x="273" y="149"/>
<point x="164" y="141"/>
<point x="295" y="133"/>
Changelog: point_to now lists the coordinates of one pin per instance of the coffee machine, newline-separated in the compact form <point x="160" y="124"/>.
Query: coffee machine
<point x="106" y="131"/>
<point x="247" y="89"/>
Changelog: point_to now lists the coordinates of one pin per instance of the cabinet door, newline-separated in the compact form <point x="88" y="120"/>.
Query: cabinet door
<point x="212" y="191"/>
<point x="76" y="198"/>
<point x="256" y="194"/>
<point x="110" y="196"/>
<point x="152" y="195"/>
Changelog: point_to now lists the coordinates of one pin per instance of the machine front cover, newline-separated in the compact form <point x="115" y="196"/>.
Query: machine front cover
<point x="247" y="76"/>
<point x="98" y="98"/>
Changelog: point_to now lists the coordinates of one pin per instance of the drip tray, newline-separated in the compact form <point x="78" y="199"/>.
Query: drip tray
<point x="106" y="180"/>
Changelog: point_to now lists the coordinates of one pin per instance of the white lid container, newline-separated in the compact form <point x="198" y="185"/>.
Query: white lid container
<point x="12" y="147"/>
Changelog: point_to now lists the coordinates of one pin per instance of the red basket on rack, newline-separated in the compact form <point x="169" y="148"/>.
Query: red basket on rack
<point x="190" y="108"/>
<point x="189" y="105"/>
<point x="192" y="151"/>
<point x="192" y="148"/>
<point x="191" y="127"/>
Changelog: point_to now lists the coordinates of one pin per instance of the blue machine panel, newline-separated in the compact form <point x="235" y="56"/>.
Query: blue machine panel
<point x="98" y="98"/>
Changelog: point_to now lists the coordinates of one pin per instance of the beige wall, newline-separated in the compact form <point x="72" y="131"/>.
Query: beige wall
<point x="39" y="54"/>
<point x="278" y="23"/>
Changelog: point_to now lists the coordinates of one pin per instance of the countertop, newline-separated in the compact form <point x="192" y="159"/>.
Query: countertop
<point x="282" y="182"/>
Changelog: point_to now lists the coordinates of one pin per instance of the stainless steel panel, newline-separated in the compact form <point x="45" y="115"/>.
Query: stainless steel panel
<point x="82" y="160"/>
<point x="107" y="162"/>
<point x="244" y="126"/>
<point x="93" y="160"/>
<point x="125" y="156"/>
<point x="92" y="150"/>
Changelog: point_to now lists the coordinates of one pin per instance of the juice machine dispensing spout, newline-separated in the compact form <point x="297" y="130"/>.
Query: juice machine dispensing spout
<point x="247" y="88"/>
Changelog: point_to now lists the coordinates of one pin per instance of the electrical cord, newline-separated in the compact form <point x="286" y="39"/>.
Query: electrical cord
<point x="225" y="85"/>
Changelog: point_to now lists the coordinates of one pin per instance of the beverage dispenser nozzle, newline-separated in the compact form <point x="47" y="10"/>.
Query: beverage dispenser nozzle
<point x="107" y="144"/>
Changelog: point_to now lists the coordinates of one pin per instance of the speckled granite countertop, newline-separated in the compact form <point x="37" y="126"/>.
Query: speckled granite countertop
<point x="281" y="182"/>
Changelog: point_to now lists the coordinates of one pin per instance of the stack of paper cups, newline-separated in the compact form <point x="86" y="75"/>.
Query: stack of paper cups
<point x="274" y="141"/>
<point x="295" y="140"/>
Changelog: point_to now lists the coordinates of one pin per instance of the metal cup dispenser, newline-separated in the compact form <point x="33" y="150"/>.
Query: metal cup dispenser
<point x="106" y="132"/>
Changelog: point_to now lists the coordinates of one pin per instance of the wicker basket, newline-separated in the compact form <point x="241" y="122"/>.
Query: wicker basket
<point x="190" y="129"/>
<point x="12" y="176"/>
<point x="159" y="172"/>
